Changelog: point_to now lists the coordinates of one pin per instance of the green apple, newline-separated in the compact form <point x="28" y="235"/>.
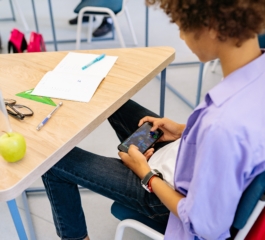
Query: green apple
<point x="12" y="146"/>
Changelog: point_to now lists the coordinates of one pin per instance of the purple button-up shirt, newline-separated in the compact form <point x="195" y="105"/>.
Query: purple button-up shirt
<point x="221" y="151"/>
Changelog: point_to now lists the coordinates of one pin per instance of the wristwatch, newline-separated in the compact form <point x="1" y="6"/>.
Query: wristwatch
<point x="146" y="179"/>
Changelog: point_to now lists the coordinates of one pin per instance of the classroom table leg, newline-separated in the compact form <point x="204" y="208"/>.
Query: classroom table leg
<point x="199" y="88"/>
<point x="13" y="18"/>
<point x="35" y="16"/>
<point x="162" y="92"/>
<point x="28" y="216"/>
<point x="17" y="219"/>
<point x="177" y="93"/>
<point x="53" y="27"/>
<point x="146" y="25"/>
<point x="12" y="10"/>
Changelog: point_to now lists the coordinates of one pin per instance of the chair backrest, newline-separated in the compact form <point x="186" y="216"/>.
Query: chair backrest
<point x="249" y="200"/>
<point x="261" y="38"/>
<point x="124" y="2"/>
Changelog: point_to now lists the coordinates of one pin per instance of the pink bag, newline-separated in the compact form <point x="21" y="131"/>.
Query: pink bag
<point x="17" y="42"/>
<point x="36" y="43"/>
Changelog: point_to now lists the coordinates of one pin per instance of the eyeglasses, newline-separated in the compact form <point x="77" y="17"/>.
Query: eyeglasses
<point x="16" y="110"/>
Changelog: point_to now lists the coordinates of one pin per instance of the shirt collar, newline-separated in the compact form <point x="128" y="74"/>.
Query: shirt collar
<point x="237" y="80"/>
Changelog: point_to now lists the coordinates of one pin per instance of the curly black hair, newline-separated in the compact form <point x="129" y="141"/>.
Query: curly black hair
<point x="238" y="19"/>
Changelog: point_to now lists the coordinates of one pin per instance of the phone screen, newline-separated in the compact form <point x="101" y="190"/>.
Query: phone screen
<point x="142" y="138"/>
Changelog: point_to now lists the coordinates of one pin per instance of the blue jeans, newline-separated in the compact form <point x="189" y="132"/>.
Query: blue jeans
<point x="106" y="176"/>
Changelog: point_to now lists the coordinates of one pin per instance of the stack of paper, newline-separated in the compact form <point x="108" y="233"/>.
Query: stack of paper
<point x="68" y="80"/>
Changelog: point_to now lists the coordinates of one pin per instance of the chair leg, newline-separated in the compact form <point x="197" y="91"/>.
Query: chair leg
<point x="117" y="28"/>
<point x="131" y="26"/>
<point x="17" y="219"/>
<point x="97" y="9"/>
<point x="139" y="227"/>
<point x="89" y="32"/>
<point x="78" y="31"/>
<point x="119" y="231"/>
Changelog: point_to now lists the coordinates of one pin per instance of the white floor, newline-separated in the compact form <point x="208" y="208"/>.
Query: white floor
<point x="101" y="224"/>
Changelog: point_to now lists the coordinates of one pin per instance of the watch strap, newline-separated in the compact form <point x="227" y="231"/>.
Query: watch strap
<point x="146" y="179"/>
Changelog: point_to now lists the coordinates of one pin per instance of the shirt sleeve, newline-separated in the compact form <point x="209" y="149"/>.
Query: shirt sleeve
<point x="217" y="184"/>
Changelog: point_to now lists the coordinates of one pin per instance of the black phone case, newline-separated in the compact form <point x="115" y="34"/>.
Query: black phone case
<point x="123" y="149"/>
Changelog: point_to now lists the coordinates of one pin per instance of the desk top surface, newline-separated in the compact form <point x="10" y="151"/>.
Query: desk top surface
<point x="134" y="68"/>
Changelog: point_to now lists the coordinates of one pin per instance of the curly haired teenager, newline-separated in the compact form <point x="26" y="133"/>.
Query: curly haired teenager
<point x="207" y="163"/>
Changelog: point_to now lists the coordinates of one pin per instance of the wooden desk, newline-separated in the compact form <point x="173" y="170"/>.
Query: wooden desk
<point x="74" y="120"/>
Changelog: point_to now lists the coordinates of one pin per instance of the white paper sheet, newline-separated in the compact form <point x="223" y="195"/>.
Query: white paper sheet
<point x="68" y="80"/>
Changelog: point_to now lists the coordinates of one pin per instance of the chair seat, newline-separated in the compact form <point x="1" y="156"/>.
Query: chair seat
<point x="110" y="8"/>
<point x="97" y="13"/>
<point x="114" y="5"/>
<point x="121" y="212"/>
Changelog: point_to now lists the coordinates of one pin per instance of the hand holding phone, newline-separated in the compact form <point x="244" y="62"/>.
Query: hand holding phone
<point x="142" y="138"/>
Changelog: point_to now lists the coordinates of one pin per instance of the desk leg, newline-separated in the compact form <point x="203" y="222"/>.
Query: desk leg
<point x="146" y="25"/>
<point x="28" y="216"/>
<point x="35" y="16"/>
<point x="162" y="92"/>
<point x="17" y="219"/>
<point x="12" y="10"/>
<point x="199" y="88"/>
<point x="53" y="27"/>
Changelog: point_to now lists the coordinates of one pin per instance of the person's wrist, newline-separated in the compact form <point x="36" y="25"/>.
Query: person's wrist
<point x="181" y="128"/>
<point x="145" y="182"/>
<point x="144" y="172"/>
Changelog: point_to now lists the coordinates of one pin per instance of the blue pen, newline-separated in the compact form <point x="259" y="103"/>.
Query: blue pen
<point x="94" y="61"/>
<point x="48" y="117"/>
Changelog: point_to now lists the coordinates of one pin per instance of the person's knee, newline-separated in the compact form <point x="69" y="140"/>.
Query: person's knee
<point x="123" y="109"/>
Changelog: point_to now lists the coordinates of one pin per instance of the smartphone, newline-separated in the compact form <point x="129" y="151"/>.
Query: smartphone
<point x="142" y="138"/>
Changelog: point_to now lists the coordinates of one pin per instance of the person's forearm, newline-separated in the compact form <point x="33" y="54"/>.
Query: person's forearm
<point x="168" y="196"/>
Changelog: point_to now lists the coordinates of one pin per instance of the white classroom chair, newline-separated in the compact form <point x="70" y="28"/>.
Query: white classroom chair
<point x="105" y="12"/>
<point x="249" y="208"/>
